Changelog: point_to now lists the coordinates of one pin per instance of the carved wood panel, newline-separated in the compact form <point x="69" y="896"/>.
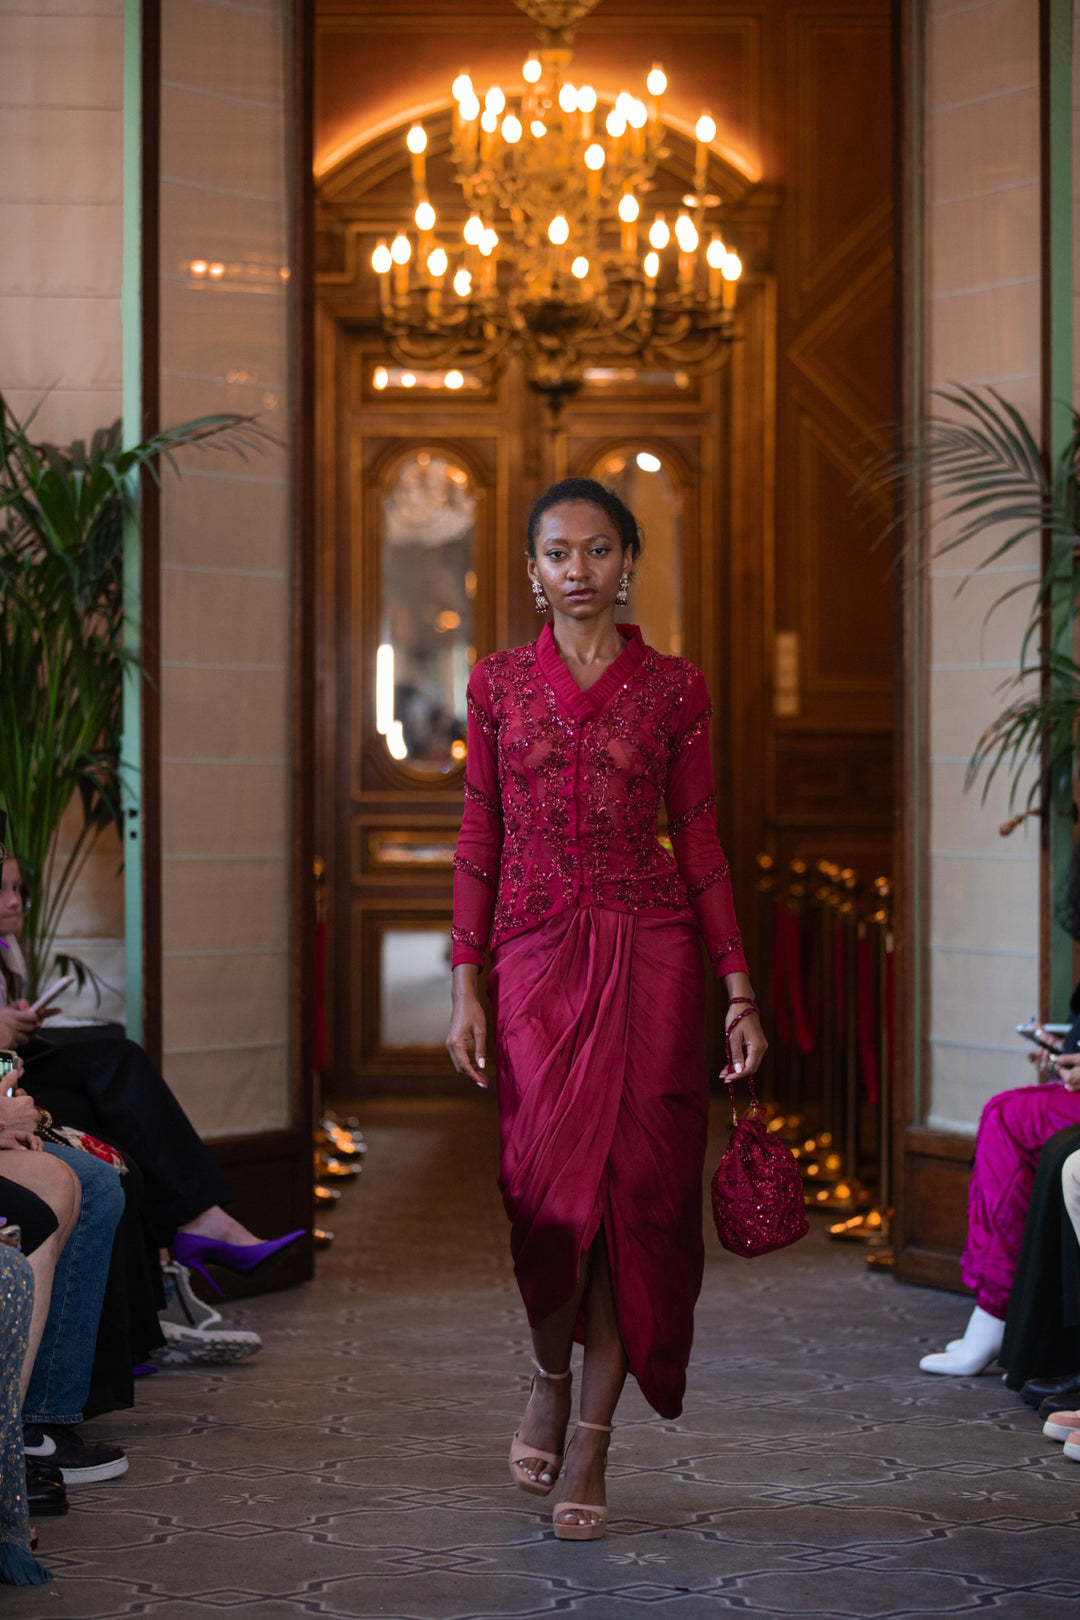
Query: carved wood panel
<point x="770" y="447"/>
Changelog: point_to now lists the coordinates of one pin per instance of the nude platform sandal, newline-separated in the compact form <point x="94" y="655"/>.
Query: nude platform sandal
<point x="520" y="1450"/>
<point x="582" y="1532"/>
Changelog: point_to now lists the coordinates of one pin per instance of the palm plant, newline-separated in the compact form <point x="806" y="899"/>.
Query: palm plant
<point x="62" y="654"/>
<point x="982" y="475"/>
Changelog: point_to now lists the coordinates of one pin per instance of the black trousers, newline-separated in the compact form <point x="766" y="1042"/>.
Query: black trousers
<point x="111" y="1089"/>
<point x="1042" y="1328"/>
<point x="21" y="1207"/>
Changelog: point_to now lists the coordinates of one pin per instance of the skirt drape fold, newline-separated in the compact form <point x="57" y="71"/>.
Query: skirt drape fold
<point x="603" y="1108"/>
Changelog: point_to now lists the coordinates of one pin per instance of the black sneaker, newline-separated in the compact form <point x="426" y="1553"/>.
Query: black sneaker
<point x="45" y="1492"/>
<point x="80" y="1462"/>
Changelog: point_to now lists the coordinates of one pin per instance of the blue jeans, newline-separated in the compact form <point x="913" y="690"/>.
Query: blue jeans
<point x="60" y="1381"/>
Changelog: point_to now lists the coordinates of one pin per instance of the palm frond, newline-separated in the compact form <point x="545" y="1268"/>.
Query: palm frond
<point x="62" y="653"/>
<point x="978" y="471"/>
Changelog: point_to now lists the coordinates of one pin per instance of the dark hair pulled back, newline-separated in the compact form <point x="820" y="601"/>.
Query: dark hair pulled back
<point x="586" y="489"/>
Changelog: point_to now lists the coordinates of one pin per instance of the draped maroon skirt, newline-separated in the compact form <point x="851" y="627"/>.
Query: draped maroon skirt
<point x="603" y="1108"/>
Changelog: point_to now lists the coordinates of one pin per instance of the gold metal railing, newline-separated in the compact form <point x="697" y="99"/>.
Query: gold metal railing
<point x="828" y="1005"/>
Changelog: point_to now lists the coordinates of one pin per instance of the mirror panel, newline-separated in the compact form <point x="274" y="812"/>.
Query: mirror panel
<point x="426" y="637"/>
<point x="641" y="479"/>
<point x="414" y="978"/>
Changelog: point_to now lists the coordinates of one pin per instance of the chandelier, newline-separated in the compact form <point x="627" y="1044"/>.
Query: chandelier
<point x="556" y="257"/>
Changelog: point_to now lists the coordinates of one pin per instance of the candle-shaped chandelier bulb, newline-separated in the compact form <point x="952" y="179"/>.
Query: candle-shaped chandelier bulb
<point x="686" y="234"/>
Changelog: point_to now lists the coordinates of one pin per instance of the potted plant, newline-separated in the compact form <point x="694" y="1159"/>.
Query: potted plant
<point x="62" y="653"/>
<point x="979" y="470"/>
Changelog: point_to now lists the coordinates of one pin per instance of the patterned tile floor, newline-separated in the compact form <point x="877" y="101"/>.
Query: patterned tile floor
<point x="357" y="1466"/>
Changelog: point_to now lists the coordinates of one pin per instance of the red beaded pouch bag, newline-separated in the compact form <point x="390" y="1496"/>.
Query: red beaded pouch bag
<point x="757" y="1192"/>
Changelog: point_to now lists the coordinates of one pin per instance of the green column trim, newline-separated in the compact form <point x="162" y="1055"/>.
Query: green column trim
<point x="1057" y="117"/>
<point x="131" y="329"/>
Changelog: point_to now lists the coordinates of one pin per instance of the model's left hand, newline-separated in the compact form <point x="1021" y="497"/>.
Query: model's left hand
<point x="748" y="1048"/>
<point x="1066" y="1068"/>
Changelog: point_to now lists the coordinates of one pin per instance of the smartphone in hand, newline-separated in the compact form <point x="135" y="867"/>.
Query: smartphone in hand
<point x="57" y="988"/>
<point x="1030" y="1033"/>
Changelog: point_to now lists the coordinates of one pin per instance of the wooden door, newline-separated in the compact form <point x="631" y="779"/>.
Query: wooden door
<point x="462" y="466"/>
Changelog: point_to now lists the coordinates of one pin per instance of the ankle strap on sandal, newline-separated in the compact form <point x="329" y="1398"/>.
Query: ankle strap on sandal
<point x="541" y="1372"/>
<point x="603" y="1428"/>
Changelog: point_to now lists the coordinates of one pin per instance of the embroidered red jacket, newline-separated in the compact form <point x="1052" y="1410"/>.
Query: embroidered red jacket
<point x="562" y="790"/>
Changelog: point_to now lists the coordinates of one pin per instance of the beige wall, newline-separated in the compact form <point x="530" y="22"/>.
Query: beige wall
<point x="225" y="582"/>
<point x="982" y="287"/>
<point x="61" y="85"/>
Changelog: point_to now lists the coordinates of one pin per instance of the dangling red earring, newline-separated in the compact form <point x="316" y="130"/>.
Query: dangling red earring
<point x="622" y="595"/>
<point x="540" y="601"/>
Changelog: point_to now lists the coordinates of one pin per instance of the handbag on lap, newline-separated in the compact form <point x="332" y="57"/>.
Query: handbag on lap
<point x="757" y="1191"/>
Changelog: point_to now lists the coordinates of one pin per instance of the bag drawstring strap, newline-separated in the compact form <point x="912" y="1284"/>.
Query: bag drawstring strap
<point x="731" y="1093"/>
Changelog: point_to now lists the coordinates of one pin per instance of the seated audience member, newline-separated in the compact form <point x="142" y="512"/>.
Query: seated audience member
<point x="1041" y="1349"/>
<point x="1014" y="1128"/>
<point x="41" y="1198"/>
<point x="111" y="1089"/>
<point x="18" y="1567"/>
<point x="60" y="1382"/>
<point x="1062" y="1420"/>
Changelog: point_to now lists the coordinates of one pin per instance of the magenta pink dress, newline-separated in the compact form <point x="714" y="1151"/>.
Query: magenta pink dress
<point x="598" y="983"/>
<point x="1014" y="1128"/>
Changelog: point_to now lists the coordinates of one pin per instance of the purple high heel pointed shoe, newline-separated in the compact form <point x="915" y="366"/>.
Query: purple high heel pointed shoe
<point x="194" y="1250"/>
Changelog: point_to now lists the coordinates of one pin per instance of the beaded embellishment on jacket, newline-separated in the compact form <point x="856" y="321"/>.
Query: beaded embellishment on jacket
<point x="563" y="803"/>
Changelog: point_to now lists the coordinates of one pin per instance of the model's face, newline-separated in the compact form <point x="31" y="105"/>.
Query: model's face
<point x="11" y="899"/>
<point x="579" y="559"/>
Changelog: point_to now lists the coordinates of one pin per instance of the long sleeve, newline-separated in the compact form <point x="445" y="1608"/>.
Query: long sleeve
<point x="476" y="864"/>
<point x="691" y="806"/>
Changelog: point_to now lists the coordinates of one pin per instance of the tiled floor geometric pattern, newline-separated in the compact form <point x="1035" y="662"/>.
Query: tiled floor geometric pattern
<point x="357" y="1466"/>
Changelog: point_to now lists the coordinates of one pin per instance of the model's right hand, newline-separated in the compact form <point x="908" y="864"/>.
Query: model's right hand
<point x="468" y="1027"/>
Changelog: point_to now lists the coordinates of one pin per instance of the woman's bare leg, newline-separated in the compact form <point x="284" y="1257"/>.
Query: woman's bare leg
<point x="43" y="1265"/>
<point x="548" y="1411"/>
<point x="216" y="1223"/>
<point x="57" y="1184"/>
<point x="603" y="1376"/>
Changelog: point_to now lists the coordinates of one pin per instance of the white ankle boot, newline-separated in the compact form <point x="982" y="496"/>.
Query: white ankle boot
<point x="973" y="1353"/>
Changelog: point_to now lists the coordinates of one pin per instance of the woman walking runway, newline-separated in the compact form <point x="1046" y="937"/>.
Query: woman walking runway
<point x="597" y="985"/>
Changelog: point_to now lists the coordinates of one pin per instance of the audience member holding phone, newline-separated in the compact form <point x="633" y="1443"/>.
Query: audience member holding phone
<point x="111" y="1089"/>
<point x="1014" y="1128"/>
